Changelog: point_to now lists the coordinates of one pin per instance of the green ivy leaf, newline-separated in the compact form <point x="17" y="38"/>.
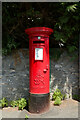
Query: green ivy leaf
<point x="26" y="116"/>
<point x="72" y="8"/>
<point x="57" y="101"/>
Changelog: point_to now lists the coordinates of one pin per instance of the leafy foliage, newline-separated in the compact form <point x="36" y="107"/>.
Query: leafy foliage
<point x="3" y="102"/>
<point x="67" y="26"/>
<point x="57" y="97"/>
<point x="21" y="103"/>
<point x="57" y="101"/>
<point x="72" y="8"/>
<point x="14" y="103"/>
<point x="26" y="116"/>
<point x="57" y="93"/>
<point x="62" y="17"/>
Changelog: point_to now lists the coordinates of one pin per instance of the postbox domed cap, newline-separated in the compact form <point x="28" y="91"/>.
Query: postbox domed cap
<point x="39" y="30"/>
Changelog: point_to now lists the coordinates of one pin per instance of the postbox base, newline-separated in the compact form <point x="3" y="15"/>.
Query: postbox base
<point x="39" y="103"/>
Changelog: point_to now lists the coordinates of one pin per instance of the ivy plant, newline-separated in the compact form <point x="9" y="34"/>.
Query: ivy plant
<point x="57" y="101"/>
<point x="57" y="97"/>
<point x="3" y="102"/>
<point x="22" y="103"/>
<point x="26" y="116"/>
<point x="62" y="17"/>
<point x="14" y="103"/>
<point x="57" y="93"/>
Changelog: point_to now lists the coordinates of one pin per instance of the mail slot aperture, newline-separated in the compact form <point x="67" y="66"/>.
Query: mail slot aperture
<point x="35" y="42"/>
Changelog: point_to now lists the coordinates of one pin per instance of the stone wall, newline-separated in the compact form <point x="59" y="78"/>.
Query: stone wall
<point x="15" y="71"/>
<point x="64" y="75"/>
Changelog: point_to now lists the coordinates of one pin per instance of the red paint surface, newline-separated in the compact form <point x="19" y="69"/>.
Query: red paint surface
<point x="39" y="69"/>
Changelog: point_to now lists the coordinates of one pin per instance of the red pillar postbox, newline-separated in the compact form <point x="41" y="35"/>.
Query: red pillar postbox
<point x="39" y="68"/>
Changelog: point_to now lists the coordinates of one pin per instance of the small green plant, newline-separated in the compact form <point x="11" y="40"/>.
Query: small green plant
<point x="57" y="93"/>
<point x="14" y="103"/>
<point x="3" y="102"/>
<point x="57" y="97"/>
<point x="57" y="101"/>
<point x="26" y="116"/>
<point x="22" y="103"/>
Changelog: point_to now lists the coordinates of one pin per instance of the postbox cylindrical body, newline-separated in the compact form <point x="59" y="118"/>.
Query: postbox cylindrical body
<point x="39" y="68"/>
